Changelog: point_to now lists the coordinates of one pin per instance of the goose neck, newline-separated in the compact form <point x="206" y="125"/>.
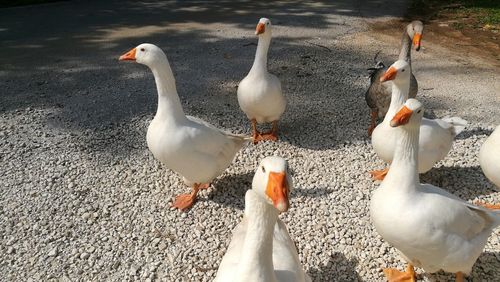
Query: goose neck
<point x="404" y="167"/>
<point x="400" y="90"/>
<point x="260" y="62"/>
<point x="169" y="104"/>
<point x="257" y="254"/>
<point x="405" y="53"/>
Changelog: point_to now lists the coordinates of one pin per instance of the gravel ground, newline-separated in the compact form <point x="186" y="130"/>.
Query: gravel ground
<point x="83" y="199"/>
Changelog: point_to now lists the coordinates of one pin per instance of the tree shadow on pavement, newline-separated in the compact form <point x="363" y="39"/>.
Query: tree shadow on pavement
<point x="72" y="70"/>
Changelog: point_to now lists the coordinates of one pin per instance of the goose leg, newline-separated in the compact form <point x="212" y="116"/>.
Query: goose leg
<point x="379" y="174"/>
<point x="185" y="201"/>
<point x="255" y="133"/>
<point x="394" y="275"/>
<point x="459" y="277"/>
<point x="373" y="121"/>
<point x="488" y="206"/>
<point x="273" y="134"/>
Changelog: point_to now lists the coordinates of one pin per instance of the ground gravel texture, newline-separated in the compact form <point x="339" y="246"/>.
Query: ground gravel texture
<point x="82" y="198"/>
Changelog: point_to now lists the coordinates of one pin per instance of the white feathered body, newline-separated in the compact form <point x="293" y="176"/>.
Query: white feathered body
<point x="189" y="146"/>
<point x="259" y="93"/>
<point x="432" y="228"/>
<point x="193" y="148"/>
<point x="436" y="138"/>
<point x="260" y="97"/>
<point x="489" y="157"/>
<point x="286" y="262"/>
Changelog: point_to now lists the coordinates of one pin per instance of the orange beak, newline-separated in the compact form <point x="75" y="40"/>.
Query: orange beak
<point x="390" y="74"/>
<point x="402" y="117"/>
<point x="277" y="190"/>
<point x="416" y="40"/>
<point x="129" y="56"/>
<point x="261" y="28"/>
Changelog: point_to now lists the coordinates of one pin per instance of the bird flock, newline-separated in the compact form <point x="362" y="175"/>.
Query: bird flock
<point x="430" y="227"/>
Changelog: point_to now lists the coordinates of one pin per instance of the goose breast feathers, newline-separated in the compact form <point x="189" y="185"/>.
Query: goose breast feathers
<point x="196" y="150"/>
<point x="285" y="258"/>
<point x="260" y="97"/>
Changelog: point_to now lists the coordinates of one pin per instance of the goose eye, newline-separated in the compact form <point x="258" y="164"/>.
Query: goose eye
<point x="267" y="23"/>
<point x="263" y="169"/>
<point x="418" y="112"/>
<point x="142" y="49"/>
<point x="403" y="70"/>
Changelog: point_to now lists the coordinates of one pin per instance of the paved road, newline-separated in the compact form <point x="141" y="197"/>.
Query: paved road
<point x="82" y="198"/>
<point x="68" y="50"/>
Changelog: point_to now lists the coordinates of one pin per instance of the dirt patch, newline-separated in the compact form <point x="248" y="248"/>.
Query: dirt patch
<point x="468" y="41"/>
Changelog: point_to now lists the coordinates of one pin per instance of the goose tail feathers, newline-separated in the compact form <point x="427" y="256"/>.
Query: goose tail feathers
<point x="457" y="124"/>
<point x="240" y="139"/>
<point x="378" y="65"/>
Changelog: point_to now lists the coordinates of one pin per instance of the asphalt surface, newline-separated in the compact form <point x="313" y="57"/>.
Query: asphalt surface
<point x="83" y="199"/>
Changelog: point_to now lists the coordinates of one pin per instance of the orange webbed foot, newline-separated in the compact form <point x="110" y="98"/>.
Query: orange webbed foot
<point x="379" y="174"/>
<point x="271" y="136"/>
<point x="184" y="201"/>
<point x="264" y="137"/>
<point x="257" y="138"/>
<point x="487" y="205"/>
<point x="394" y="275"/>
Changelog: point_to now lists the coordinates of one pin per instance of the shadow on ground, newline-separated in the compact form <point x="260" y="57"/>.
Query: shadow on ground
<point x="72" y="69"/>
<point x="314" y="192"/>
<point x="338" y="268"/>
<point x="464" y="182"/>
<point x="230" y="190"/>
<point x="467" y="133"/>
<point x="486" y="258"/>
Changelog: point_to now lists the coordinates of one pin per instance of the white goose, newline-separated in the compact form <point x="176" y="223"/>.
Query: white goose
<point x="261" y="248"/>
<point x="436" y="135"/>
<point x="431" y="228"/>
<point x="489" y="157"/>
<point x="189" y="146"/>
<point x="259" y="93"/>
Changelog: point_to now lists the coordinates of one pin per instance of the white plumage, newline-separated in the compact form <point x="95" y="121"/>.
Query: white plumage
<point x="436" y="135"/>
<point x="187" y="145"/>
<point x="432" y="228"/>
<point x="261" y="248"/>
<point x="259" y="93"/>
<point x="489" y="157"/>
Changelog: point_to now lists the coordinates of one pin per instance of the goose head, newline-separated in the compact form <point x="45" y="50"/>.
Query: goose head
<point x="399" y="73"/>
<point x="272" y="181"/>
<point x="415" y="30"/>
<point x="409" y="115"/>
<point x="146" y="54"/>
<point x="263" y="27"/>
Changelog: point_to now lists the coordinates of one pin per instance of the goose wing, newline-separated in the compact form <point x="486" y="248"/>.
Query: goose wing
<point x="231" y="259"/>
<point x="286" y="261"/>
